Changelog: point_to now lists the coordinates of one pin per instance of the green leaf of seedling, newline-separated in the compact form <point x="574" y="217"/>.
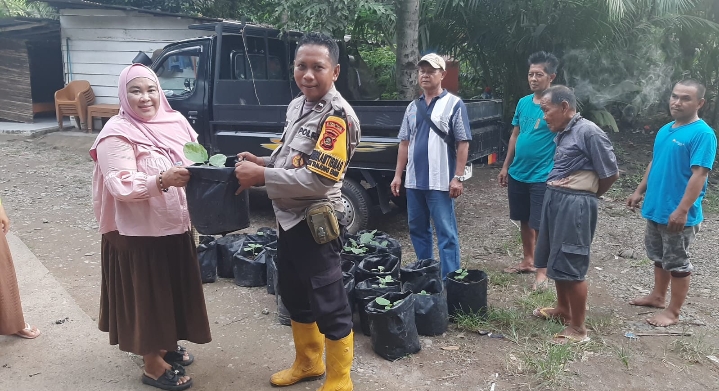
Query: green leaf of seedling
<point x="380" y="268"/>
<point x="260" y="233"/>
<point x="424" y="292"/>
<point x="366" y="238"/>
<point x="195" y="152"/>
<point x="218" y="160"/>
<point x="383" y="301"/>
<point x="384" y="244"/>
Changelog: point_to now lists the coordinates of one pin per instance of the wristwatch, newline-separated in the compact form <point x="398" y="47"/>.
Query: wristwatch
<point x="459" y="178"/>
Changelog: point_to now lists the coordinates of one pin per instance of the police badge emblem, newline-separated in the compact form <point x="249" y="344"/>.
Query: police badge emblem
<point x="298" y="161"/>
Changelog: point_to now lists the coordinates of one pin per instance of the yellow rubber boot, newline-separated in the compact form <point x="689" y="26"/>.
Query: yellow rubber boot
<point x="308" y="365"/>
<point x="339" y="363"/>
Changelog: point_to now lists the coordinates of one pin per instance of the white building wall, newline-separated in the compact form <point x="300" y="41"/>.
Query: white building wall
<point x="98" y="43"/>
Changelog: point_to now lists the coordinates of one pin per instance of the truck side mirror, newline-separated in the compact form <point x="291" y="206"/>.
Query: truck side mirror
<point x="142" y="58"/>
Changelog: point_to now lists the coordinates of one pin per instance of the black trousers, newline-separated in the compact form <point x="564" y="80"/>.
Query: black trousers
<point x="310" y="281"/>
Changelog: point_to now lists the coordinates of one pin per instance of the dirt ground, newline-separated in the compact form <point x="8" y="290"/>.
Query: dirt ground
<point x="45" y="187"/>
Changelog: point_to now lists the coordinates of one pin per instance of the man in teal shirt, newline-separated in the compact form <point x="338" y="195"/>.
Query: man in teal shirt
<point x="675" y="183"/>
<point x="530" y="158"/>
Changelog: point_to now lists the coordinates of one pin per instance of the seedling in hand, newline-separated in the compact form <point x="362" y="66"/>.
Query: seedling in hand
<point x="198" y="154"/>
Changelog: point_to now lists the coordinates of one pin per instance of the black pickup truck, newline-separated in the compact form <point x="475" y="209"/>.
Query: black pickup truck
<point x="234" y="87"/>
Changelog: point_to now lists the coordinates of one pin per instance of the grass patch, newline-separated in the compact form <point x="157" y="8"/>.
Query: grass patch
<point x="624" y="355"/>
<point x="640" y="263"/>
<point x="602" y="324"/>
<point x="536" y="299"/>
<point x="711" y="201"/>
<point x="548" y="362"/>
<point x="693" y="349"/>
<point x="499" y="279"/>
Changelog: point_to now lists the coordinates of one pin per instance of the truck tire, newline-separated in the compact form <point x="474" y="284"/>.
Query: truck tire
<point x="357" y="206"/>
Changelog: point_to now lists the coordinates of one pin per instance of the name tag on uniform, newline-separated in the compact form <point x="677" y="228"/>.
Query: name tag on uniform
<point x="329" y="158"/>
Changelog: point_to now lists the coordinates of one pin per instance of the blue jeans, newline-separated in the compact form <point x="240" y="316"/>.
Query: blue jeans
<point x="423" y="205"/>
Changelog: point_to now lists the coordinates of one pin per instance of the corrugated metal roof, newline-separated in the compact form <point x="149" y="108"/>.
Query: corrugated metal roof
<point x="24" y="28"/>
<point x="81" y="4"/>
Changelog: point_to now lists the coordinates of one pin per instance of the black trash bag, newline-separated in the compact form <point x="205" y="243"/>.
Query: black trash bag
<point x="394" y="334"/>
<point x="431" y="314"/>
<point x="214" y="208"/>
<point x="366" y="291"/>
<point x="227" y="246"/>
<point x="270" y="261"/>
<point x="425" y="273"/>
<point x="469" y="294"/>
<point x="207" y="257"/>
<point x="249" y="267"/>
<point x="378" y="265"/>
<point x="381" y="241"/>
<point x="264" y="235"/>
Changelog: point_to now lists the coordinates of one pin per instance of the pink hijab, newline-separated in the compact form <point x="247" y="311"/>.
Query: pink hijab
<point x="168" y="130"/>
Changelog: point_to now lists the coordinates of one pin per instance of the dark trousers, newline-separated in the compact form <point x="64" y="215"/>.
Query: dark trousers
<point x="310" y="281"/>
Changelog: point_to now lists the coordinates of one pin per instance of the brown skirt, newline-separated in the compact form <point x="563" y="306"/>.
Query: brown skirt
<point x="151" y="293"/>
<point x="11" y="319"/>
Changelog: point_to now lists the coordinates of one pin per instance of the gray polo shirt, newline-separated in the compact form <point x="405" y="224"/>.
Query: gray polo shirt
<point x="582" y="145"/>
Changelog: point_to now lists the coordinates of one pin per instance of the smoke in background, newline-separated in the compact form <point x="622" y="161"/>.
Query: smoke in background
<point x="635" y="82"/>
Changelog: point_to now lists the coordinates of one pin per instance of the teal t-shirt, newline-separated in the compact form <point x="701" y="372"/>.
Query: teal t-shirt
<point x="675" y="152"/>
<point x="534" y="151"/>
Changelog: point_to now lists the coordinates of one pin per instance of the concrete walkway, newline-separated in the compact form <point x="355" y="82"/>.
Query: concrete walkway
<point x="40" y="126"/>
<point x="72" y="355"/>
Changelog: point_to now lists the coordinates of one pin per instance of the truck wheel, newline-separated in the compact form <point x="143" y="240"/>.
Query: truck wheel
<point x="357" y="206"/>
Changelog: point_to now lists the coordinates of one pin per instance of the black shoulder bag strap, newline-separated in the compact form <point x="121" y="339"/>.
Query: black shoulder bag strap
<point x="444" y="136"/>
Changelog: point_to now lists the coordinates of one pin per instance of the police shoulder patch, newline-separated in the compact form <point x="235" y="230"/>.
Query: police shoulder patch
<point x="298" y="161"/>
<point x="329" y="158"/>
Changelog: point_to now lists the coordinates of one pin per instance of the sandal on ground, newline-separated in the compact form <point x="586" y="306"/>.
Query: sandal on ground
<point x="562" y="339"/>
<point x="178" y="356"/>
<point x="32" y="331"/>
<point x="168" y="381"/>
<point x="519" y="270"/>
<point x="542" y="313"/>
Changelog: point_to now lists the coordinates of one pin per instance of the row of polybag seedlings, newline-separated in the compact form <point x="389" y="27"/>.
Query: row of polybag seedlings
<point x="394" y="304"/>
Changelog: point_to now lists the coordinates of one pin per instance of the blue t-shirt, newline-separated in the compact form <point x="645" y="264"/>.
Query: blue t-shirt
<point x="676" y="150"/>
<point x="534" y="151"/>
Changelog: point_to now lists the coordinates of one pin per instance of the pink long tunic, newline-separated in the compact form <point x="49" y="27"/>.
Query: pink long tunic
<point x="126" y="197"/>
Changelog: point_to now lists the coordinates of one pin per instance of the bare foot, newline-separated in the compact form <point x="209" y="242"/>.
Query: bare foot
<point x="663" y="319"/>
<point x="540" y="284"/>
<point x="650" y="301"/>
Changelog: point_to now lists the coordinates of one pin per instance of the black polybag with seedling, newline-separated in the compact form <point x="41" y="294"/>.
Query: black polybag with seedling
<point x="381" y="242"/>
<point x="368" y="290"/>
<point x="354" y="251"/>
<point x="248" y="265"/>
<point x="214" y="208"/>
<point x="467" y="292"/>
<point x="431" y="314"/>
<point x="207" y="258"/>
<point x="227" y="246"/>
<point x="425" y="273"/>
<point x="392" y="325"/>
<point x="264" y="235"/>
<point x="378" y="265"/>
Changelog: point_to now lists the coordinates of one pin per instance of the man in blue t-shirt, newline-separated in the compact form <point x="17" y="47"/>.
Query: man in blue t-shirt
<point x="435" y="164"/>
<point x="675" y="183"/>
<point x="530" y="158"/>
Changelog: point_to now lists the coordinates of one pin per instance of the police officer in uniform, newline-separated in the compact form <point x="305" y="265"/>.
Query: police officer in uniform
<point x="303" y="178"/>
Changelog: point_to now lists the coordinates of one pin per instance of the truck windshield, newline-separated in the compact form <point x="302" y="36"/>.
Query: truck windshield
<point x="178" y="73"/>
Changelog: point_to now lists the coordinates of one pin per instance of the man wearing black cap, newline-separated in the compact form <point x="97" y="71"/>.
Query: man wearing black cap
<point x="434" y="144"/>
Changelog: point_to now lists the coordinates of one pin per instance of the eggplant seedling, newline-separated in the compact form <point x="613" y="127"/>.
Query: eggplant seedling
<point x="383" y="281"/>
<point x="253" y="248"/>
<point x="388" y="305"/>
<point x="198" y="154"/>
<point x="355" y="248"/>
<point x="461" y="274"/>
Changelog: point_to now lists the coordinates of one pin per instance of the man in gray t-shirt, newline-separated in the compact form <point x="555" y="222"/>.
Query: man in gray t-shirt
<point x="584" y="168"/>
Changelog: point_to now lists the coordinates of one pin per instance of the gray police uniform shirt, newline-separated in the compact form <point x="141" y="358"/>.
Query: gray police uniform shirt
<point x="584" y="155"/>
<point x="290" y="184"/>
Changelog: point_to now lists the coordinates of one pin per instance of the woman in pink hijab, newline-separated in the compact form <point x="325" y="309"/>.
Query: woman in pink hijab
<point x="151" y="294"/>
